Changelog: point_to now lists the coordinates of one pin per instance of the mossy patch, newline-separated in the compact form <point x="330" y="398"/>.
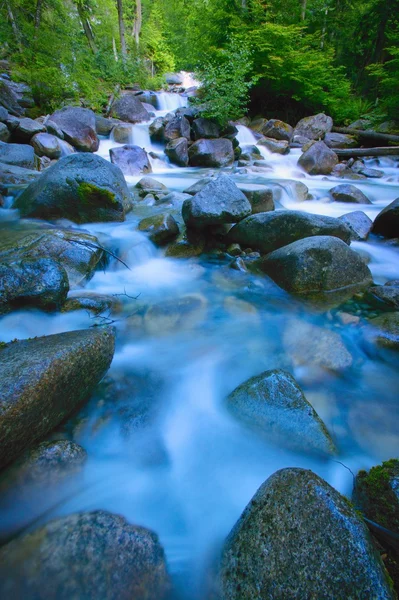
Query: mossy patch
<point x="93" y="195"/>
<point x="374" y="489"/>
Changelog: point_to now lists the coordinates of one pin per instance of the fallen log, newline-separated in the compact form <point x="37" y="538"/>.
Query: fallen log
<point x="355" y="152"/>
<point x="368" y="135"/>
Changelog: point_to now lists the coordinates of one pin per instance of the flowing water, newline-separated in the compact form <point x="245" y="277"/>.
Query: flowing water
<point x="162" y="450"/>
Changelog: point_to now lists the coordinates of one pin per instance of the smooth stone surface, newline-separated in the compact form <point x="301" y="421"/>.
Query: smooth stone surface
<point x="318" y="159"/>
<point x="268" y="231"/>
<point x="275" y="146"/>
<point x="13" y="178"/>
<point x="171" y="316"/>
<point x="177" y="151"/>
<point x="93" y="302"/>
<point x="299" y="538"/>
<point x="211" y="153"/>
<point x="359" y="224"/>
<point x="149" y="184"/>
<point x="46" y="144"/>
<point x="27" y="128"/>
<point x="85" y="556"/>
<point x="261" y="197"/>
<point x="78" y="126"/>
<point x="162" y="228"/>
<point x="220" y="201"/>
<point x="314" y="127"/>
<point x="132" y="160"/>
<point x="274" y="406"/>
<point x="44" y="380"/>
<point x="178" y="127"/>
<point x="122" y="133"/>
<point x="386" y="222"/>
<point x="205" y="129"/>
<point x="129" y="108"/>
<point x="80" y="187"/>
<point x="340" y="140"/>
<point x="104" y="126"/>
<point x="348" y="193"/>
<point x="18" y="155"/>
<point x="278" y="130"/>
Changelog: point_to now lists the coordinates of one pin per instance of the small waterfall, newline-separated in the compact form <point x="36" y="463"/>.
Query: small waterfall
<point x="167" y="101"/>
<point x="141" y="136"/>
<point x="245" y="136"/>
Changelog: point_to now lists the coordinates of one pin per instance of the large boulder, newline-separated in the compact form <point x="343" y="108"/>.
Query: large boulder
<point x="85" y="556"/>
<point x="44" y="380"/>
<point x="317" y="266"/>
<point x="359" y="224"/>
<point x="132" y="160"/>
<point x="78" y="126"/>
<point x="318" y="159"/>
<point x="211" y="153"/>
<point x="278" y="130"/>
<point x="268" y="231"/>
<point x="274" y="406"/>
<point x="129" y="108"/>
<point x="261" y="197"/>
<point x="104" y="126"/>
<point x="79" y="187"/>
<point x="387" y="221"/>
<point x="314" y="127"/>
<point x="275" y="146"/>
<point x="205" y="129"/>
<point x="177" y="151"/>
<point x="122" y="133"/>
<point x="13" y="178"/>
<point x="348" y="193"/>
<point x="157" y="130"/>
<point x="299" y="538"/>
<point x="220" y="201"/>
<point x="18" y="155"/>
<point x="46" y="144"/>
<point x="177" y="127"/>
<point x="27" y="128"/>
<point x="340" y="140"/>
<point x="9" y="99"/>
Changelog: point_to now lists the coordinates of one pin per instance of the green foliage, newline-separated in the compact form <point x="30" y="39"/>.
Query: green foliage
<point x="387" y="79"/>
<point x="225" y="84"/>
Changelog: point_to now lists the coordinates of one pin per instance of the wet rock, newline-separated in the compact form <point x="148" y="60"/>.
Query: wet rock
<point x="85" y="555"/>
<point x="326" y="552"/>
<point x="315" y="127"/>
<point x="349" y="193"/>
<point x="278" y="130"/>
<point x="46" y="144"/>
<point x="205" y="129"/>
<point x="359" y="224"/>
<point x="275" y="146"/>
<point x="197" y="186"/>
<point x="132" y="160"/>
<point x="340" y="140"/>
<point x="273" y="405"/>
<point x="4" y="133"/>
<point x="104" y="126"/>
<point x="41" y="283"/>
<point x="318" y="159"/>
<point x="78" y="126"/>
<point x="387" y="295"/>
<point x="157" y="130"/>
<point x="149" y="184"/>
<point x="162" y="228"/>
<point x="177" y="314"/>
<point x="18" y="155"/>
<point x="79" y="187"/>
<point x="54" y="129"/>
<point x="9" y="99"/>
<point x="177" y="151"/>
<point x="185" y="247"/>
<point x="27" y="128"/>
<point x="129" y="108"/>
<point x="122" y="133"/>
<point x="268" y="231"/>
<point x="12" y="178"/>
<point x="387" y="221"/>
<point x="44" y="380"/>
<point x="261" y="197"/>
<point x="92" y="302"/>
<point x="310" y="345"/>
<point x="376" y="494"/>
<point x="220" y="201"/>
<point x="361" y="169"/>
<point x="211" y="153"/>
<point x="178" y="127"/>
<point x="384" y="330"/>
<point x="315" y="267"/>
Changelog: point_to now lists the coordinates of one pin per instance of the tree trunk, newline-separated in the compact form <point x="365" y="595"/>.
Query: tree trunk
<point x="355" y="152"/>
<point x="114" y="49"/>
<point x="324" y="30"/>
<point x="303" y="9"/>
<point x="137" y="23"/>
<point x="38" y="15"/>
<point x="121" y="29"/>
<point x="368" y="135"/>
<point x="15" y="29"/>
<point x="87" y="29"/>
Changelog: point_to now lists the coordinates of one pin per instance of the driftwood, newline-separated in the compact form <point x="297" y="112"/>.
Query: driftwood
<point x="368" y="135"/>
<point x="355" y="152"/>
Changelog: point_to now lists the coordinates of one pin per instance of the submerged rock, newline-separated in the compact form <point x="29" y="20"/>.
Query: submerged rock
<point x="93" y="302"/>
<point x="78" y="126"/>
<point x="211" y="153"/>
<point x="86" y="555"/>
<point x="359" y="224"/>
<point x="273" y="405"/>
<point x="44" y="380"/>
<point x="132" y="160"/>
<point x="162" y="228"/>
<point x="79" y="187"/>
<point x="268" y="231"/>
<point x="387" y="221"/>
<point x="220" y="201"/>
<point x="175" y="315"/>
<point x="318" y="159"/>
<point x="348" y="193"/>
<point x="299" y="538"/>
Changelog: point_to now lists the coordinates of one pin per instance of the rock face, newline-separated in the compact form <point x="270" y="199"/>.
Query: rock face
<point x="387" y="221"/>
<point x="211" y="153"/>
<point x="317" y="264"/>
<point x="278" y="130"/>
<point x="348" y="193"/>
<point x="80" y="187"/>
<point x="18" y="155"/>
<point x="177" y="151"/>
<point x="220" y="201"/>
<point x="132" y="160"/>
<point x="205" y="129"/>
<point x="78" y="126"/>
<point x="299" y="538"/>
<point x="85" y="555"/>
<point x="359" y="224"/>
<point x="319" y="159"/>
<point x="45" y="144"/>
<point x="315" y="127"/>
<point x="129" y="108"/>
<point x="44" y="380"/>
<point x="268" y="231"/>
<point x="161" y="228"/>
<point x="273" y="405"/>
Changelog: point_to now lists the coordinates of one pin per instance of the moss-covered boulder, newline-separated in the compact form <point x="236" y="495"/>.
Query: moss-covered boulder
<point x="80" y="187"/>
<point x="376" y="493"/>
<point x="44" y="380"/>
<point x="299" y="538"/>
<point x="314" y="127"/>
<point x="87" y="556"/>
<point x="384" y="330"/>
<point x="273" y="405"/>
<point x="278" y="130"/>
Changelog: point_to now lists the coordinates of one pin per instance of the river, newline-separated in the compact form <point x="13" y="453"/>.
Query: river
<point x="189" y="469"/>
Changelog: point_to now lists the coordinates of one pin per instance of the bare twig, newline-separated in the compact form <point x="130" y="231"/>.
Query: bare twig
<point x="97" y="247"/>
